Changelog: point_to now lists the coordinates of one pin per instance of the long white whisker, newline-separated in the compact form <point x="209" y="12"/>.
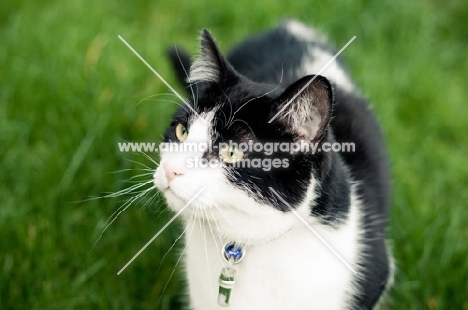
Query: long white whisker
<point x="229" y="101"/>
<point x="186" y="73"/>
<point x="177" y="263"/>
<point x="185" y="101"/>
<point x="225" y="122"/>
<point x="127" y="190"/>
<point x="139" y="176"/>
<point x="159" y="95"/>
<point x="229" y="217"/>
<point x="173" y="245"/>
<point x="154" y="97"/>
<point x="240" y="120"/>
<point x="265" y="94"/>
<point x="212" y="234"/>
<point x="160" y="196"/>
<point x="131" y="169"/>
<point x="138" y="163"/>
<point x="167" y="100"/>
<point x="196" y="98"/>
<point x="149" y="157"/>
<point x="162" y="229"/>
<point x="149" y="201"/>
<point x="202" y="227"/>
<point x="124" y="207"/>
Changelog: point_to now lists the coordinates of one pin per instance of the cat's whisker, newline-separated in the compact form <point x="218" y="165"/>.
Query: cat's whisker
<point x="130" y="169"/>
<point x="138" y="163"/>
<point x="149" y="201"/>
<point x="175" y="242"/>
<point x="167" y="100"/>
<point x="265" y="94"/>
<point x="130" y="200"/>
<point x="128" y="190"/>
<point x="201" y="222"/>
<point x="154" y="99"/>
<point x="212" y="233"/>
<point x="160" y="95"/>
<point x="131" y="182"/>
<point x="229" y="101"/>
<point x="184" y="100"/>
<point x="188" y="77"/>
<point x="139" y="176"/>
<point x="161" y="201"/>
<point x="229" y="217"/>
<point x="225" y="122"/>
<point x="198" y="96"/>
<point x="124" y="207"/>
<point x="248" y="126"/>
<point x="178" y="261"/>
<point x="149" y="158"/>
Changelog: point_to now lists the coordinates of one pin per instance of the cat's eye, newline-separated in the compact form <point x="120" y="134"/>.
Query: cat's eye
<point x="231" y="154"/>
<point x="181" y="132"/>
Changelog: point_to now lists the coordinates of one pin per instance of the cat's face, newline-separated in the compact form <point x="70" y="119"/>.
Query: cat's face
<point x="201" y="153"/>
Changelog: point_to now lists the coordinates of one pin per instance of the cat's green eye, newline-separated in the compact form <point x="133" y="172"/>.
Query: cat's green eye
<point x="231" y="154"/>
<point x="181" y="132"/>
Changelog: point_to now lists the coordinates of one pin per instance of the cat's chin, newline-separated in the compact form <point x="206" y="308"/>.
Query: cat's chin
<point x="174" y="201"/>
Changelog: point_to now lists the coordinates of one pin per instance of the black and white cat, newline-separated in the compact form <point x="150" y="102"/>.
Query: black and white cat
<point x="343" y="196"/>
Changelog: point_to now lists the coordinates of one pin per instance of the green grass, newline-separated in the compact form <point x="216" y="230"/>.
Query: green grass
<point x="69" y="91"/>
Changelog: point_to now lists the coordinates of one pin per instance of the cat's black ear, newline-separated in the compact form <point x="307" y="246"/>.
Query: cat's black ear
<point x="305" y="108"/>
<point x="180" y="61"/>
<point x="211" y="66"/>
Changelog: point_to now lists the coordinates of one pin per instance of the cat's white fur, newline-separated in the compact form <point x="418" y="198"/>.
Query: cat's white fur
<point x="203" y="69"/>
<point x="317" y="57"/>
<point x="285" y="267"/>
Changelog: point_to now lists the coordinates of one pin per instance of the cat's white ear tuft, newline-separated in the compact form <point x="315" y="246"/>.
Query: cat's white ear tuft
<point x="210" y="65"/>
<point x="305" y="108"/>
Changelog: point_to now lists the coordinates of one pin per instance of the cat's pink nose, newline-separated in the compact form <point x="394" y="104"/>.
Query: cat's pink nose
<point x="171" y="171"/>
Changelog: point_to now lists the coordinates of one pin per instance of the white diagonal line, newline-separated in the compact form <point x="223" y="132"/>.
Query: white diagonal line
<point x="311" y="80"/>
<point x="160" y="77"/>
<point x="162" y="229"/>
<point x="313" y="230"/>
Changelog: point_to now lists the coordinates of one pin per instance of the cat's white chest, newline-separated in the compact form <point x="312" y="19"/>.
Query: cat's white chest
<point x="296" y="271"/>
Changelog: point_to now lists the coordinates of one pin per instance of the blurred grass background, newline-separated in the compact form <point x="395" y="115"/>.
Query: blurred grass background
<point x="69" y="91"/>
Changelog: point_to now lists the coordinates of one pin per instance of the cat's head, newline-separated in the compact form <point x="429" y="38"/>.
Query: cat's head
<point x="267" y="122"/>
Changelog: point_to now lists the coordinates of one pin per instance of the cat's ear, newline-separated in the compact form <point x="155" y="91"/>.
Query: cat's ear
<point x="210" y="67"/>
<point x="180" y="61"/>
<point x="305" y="108"/>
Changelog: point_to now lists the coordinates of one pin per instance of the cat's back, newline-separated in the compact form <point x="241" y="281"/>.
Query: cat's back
<point x="287" y="53"/>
